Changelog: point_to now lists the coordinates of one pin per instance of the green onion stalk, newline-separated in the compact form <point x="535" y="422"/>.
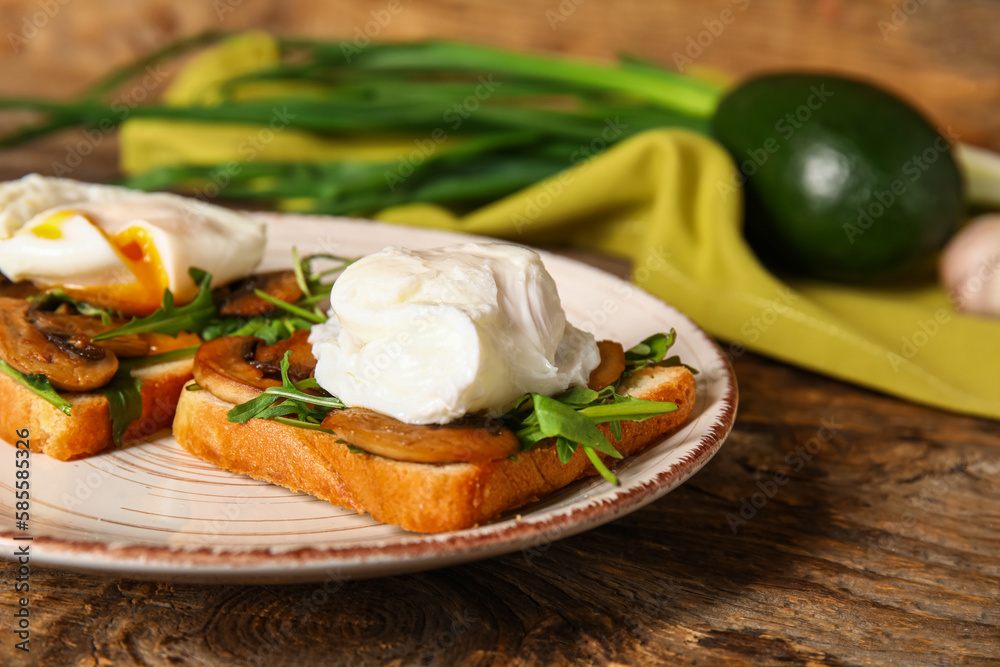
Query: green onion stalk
<point x="535" y="115"/>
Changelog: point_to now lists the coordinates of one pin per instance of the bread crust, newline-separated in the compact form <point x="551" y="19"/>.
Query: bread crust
<point x="87" y="430"/>
<point x="422" y="497"/>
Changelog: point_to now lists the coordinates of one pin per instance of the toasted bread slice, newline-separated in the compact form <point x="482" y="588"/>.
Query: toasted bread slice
<point x="422" y="497"/>
<point x="87" y="430"/>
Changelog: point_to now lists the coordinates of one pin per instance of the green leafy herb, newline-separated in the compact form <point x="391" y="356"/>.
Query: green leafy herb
<point x="354" y="450"/>
<point x="651" y="352"/>
<point x="572" y="418"/>
<point x="571" y="429"/>
<point x="37" y="384"/>
<point x="270" y="329"/>
<point x="307" y="407"/>
<point x="194" y="386"/>
<point x="124" y="394"/>
<point x="291" y="308"/>
<point x="171" y="319"/>
<point x="556" y="419"/>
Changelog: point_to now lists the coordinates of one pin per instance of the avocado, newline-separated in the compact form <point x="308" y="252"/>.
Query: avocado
<point x="843" y="180"/>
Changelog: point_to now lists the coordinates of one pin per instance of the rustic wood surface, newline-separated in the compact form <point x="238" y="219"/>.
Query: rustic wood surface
<point x="881" y="545"/>
<point x="940" y="54"/>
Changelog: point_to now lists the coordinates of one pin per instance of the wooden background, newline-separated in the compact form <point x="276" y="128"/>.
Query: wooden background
<point x="883" y="546"/>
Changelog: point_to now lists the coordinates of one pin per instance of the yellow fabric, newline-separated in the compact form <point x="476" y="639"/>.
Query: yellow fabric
<point x="656" y="198"/>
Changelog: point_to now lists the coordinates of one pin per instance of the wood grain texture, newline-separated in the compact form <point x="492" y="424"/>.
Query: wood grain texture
<point x="881" y="547"/>
<point x="939" y="54"/>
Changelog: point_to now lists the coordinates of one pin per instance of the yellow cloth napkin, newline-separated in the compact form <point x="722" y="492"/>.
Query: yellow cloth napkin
<point x="656" y="199"/>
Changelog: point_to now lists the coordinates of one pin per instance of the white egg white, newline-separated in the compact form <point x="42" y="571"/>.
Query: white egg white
<point x="59" y="232"/>
<point x="427" y="336"/>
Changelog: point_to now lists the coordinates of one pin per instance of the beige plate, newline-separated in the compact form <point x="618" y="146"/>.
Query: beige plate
<point x="152" y="511"/>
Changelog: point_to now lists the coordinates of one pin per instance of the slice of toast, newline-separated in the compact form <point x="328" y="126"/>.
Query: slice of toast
<point x="87" y="430"/>
<point x="422" y="497"/>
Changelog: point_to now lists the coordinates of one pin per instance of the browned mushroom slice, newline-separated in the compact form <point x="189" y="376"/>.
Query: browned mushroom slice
<point x="57" y="322"/>
<point x="611" y="367"/>
<point x="239" y="300"/>
<point x="301" y="362"/>
<point x="472" y="439"/>
<point x="223" y="367"/>
<point x="69" y="360"/>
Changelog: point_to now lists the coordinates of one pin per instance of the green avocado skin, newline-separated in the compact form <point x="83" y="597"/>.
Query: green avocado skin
<point x="843" y="181"/>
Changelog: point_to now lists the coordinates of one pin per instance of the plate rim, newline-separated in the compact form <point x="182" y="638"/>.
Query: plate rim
<point x="419" y="552"/>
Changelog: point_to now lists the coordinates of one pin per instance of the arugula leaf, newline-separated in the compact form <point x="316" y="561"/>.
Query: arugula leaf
<point x="578" y="396"/>
<point x="598" y="464"/>
<point x="305" y="406"/>
<point x="651" y="352"/>
<point x="37" y="384"/>
<point x="565" y="449"/>
<point x="244" y="412"/>
<point x="291" y="308"/>
<point x="124" y="394"/>
<point x="271" y="330"/>
<point x="572" y="418"/>
<point x="170" y="319"/>
<point x="310" y="282"/>
<point x="627" y="408"/>
<point x="557" y="419"/>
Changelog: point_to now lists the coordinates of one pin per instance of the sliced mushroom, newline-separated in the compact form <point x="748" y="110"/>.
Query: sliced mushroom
<point x="223" y="367"/>
<point x="611" y="367"/>
<point x="58" y="322"/>
<point x="301" y="362"/>
<point x="473" y="440"/>
<point x="68" y="359"/>
<point x="239" y="300"/>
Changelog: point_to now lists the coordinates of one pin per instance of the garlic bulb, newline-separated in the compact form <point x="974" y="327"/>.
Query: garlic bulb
<point x="970" y="267"/>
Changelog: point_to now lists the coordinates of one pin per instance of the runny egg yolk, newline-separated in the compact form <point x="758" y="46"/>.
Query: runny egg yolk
<point x="137" y="249"/>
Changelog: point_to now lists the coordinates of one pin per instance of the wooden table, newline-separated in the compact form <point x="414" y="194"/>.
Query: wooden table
<point x="880" y="545"/>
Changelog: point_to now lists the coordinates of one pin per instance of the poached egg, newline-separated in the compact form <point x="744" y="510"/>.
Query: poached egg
<point x="427" y="336"/>
<point x="118" y="248"/>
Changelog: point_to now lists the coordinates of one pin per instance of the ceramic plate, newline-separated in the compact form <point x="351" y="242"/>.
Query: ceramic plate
<point x="152" y="511"/>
